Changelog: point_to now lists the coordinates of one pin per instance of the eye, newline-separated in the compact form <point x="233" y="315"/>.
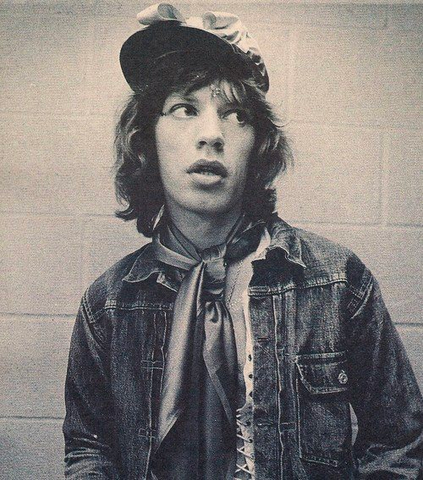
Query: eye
<point x="182" y="110"/>
<point x="237" y="117"/>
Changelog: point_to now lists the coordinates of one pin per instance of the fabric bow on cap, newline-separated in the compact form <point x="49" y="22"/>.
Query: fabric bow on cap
<point x="225" y="26"/>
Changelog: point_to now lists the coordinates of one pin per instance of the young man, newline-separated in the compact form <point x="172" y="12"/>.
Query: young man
<point x="231" y="346"/>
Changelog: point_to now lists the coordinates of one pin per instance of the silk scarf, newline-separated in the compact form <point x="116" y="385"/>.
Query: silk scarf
<point x="196" y="434"/>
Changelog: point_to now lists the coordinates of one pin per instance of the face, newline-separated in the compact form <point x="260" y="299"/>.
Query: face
<point x="204" y="143"/>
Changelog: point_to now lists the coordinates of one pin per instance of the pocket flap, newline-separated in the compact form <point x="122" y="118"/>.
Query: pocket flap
<point x="323" y="372"/>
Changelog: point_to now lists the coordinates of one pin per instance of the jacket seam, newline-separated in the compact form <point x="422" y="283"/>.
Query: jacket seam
<point x="114" y="305"/>
<point x="360" y="296"/>
<point x="91" y="317"/>
<point x="263" y="290"/>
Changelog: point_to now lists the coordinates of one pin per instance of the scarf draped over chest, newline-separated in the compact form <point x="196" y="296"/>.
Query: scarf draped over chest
<point x="196" y="432"/>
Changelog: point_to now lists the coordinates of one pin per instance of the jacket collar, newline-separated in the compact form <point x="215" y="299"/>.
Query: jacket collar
<point x="283" y="237"/>
<point x="144" y="266"/>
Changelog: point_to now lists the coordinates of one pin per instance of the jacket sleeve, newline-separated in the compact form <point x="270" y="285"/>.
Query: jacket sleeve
<point x="385" y="395"/>
<point x="88" y="425"/>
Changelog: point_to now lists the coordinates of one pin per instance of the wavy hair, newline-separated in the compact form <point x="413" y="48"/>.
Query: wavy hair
<point x="137" y="180"/>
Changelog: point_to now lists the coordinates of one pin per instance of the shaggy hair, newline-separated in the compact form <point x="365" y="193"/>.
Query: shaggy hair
<point x="137" y="180"/>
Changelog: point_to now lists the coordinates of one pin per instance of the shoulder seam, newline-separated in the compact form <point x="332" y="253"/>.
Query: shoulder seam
<point x="359" y="294"/>
<point x="91" y="316"/>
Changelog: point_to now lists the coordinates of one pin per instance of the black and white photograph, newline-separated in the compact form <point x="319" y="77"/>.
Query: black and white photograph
<point x="212" y="240"/>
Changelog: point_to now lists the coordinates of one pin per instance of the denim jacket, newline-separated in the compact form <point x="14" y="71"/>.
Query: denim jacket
<point x="323" y="342"/>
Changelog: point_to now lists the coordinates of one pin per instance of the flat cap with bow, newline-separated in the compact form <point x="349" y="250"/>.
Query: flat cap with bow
<point x="166" y="30"/>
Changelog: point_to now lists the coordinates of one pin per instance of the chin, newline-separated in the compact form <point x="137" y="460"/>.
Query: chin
<point x="206" y="203"/>
<point x="213" y="210"/>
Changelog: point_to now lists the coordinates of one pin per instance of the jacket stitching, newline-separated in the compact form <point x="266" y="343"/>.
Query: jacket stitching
<point x="278" y="376"/>
<point x="263" y="290"/>
<point x="360" y="295"/>
<point x="87" y="308"/>
<point x="113" y="305"/>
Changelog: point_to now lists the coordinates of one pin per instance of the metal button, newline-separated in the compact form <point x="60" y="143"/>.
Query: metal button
<point x="342" y="378"/>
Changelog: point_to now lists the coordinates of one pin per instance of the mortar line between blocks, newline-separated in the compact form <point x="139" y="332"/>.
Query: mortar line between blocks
<point x="412" y="325"/>
<point x="356" y="226"/>
<point x="4" y="315"/>
<point x="290" y="77"/>
<point x="89" y="68"/>
<point x="83" y="253"/>
<point x="18" y="418"/>
<point x="384" y="177"/>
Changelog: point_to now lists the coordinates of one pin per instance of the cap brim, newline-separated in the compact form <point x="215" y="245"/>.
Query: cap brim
<point x="144" y="47"/>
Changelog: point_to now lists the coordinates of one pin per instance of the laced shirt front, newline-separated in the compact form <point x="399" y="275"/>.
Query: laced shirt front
<point x="236" y="298"/>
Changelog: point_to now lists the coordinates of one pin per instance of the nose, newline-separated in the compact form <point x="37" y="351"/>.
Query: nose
<point x="210" y="132"/>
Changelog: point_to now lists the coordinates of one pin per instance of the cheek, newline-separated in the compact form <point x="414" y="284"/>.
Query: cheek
<point x="172" y="140"/>
<point x="244" y="149"/>
<point x="162" y="140"/>
<point x="247" y="140"/>
<point x="165" y="147"/>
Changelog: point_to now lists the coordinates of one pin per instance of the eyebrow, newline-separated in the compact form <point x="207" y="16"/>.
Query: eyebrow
<point x="229" y="101"/>
<point x="182" y="96"/>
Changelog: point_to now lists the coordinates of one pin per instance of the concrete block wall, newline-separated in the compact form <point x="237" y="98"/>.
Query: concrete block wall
<point x="347" y="81"/>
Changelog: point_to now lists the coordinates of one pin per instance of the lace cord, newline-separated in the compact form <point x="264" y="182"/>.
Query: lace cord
<point x="242" y="454"/>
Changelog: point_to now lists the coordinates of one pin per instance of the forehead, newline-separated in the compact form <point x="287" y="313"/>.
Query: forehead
<point x="221" y="91"/>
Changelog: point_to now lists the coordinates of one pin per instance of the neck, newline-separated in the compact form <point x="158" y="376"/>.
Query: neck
<point x="203" y="230"/>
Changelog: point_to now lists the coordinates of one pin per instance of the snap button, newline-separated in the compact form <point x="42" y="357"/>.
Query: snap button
<point x="342" y="378"/>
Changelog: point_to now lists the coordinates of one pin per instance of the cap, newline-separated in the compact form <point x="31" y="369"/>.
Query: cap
<point x="165" y="30"/>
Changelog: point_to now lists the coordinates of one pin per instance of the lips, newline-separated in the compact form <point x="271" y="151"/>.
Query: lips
<point x="208" y="167"/>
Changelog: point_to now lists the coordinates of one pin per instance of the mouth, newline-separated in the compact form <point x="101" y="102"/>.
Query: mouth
<point x="208" y="168"/>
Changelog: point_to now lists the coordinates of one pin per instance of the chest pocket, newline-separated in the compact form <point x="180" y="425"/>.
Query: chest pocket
<point x="323" y="412"/>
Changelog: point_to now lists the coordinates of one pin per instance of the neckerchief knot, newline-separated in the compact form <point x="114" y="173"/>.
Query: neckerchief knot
<point x="215" y="265"/>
